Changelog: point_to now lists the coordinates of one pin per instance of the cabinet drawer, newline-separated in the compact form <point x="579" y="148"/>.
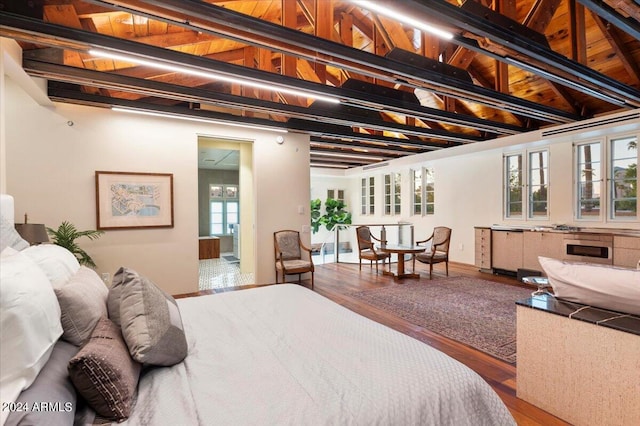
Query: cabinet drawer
<point x="626" y="242"/>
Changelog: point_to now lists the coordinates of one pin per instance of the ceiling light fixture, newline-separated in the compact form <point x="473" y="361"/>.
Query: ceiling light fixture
<point x="393" y="14"/>
<point x="210" y="75"/>
<point x="329" y="165"/>
<point x="201" y="120"/>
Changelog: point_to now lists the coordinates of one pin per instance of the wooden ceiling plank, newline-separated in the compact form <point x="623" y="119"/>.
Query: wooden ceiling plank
<point x="617" y="44"/>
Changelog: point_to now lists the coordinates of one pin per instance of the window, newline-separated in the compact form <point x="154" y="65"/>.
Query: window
<point x="623" y="177"/>
<point x="392" y="193"/>
<point x="430" y="191"/>
<point x="589" y="180"/>
<point x="618" y="200"/>
<point x="538" y="189"/>
<point x="417" y="191"/>
<point x="533" y="169"/>
<point x="423" y="191"/>
<point x="367" y="196"/>
<point x="336" y="194"/>
<point x="224" y="209"/>
<point x="513" y="186"/>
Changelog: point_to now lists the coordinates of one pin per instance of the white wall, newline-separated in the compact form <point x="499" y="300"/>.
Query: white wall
<point x="50" y="170"/>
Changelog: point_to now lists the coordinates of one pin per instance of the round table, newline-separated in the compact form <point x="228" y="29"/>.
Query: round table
<point x="401" y="250"/>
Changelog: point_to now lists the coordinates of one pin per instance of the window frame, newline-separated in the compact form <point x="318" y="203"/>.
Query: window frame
<point x="607" y="169"/>
<point x="392" y="193"/>
<point x="225" y="195"/>
<point x="426" y="203"/>
<point x="525" y="183"/>
<point x="367" y="195"/>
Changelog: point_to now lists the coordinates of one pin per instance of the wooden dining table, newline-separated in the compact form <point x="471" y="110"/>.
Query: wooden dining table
<point x="401" y="250"/>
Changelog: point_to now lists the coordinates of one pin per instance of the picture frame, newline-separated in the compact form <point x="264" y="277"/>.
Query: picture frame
<point x="132" y="200"/>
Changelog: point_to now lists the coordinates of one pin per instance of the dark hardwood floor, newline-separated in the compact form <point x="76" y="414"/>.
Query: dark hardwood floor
<point x="335" y="281"/>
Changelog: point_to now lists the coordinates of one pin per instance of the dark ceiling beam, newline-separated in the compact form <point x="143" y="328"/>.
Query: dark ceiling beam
<point x="61" y="94"/>
<point x="474" y="18"/>
<point x="237" y="26"/>
<point x="327" y="114"/>
<point x="318" y="141"/>
<point x="608" y="13"/>
<point x="81" y="40"/>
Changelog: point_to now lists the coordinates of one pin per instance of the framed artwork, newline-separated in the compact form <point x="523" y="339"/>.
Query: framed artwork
<point x="134" y="200"/>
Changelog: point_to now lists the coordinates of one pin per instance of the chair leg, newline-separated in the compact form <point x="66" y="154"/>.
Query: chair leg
<point x="446" y="264"/>
<point x="376" y="266"/>
<point x="311" y="280"/>
<point x="299" y="278"/>
<point x="430" y="269"/>
<point x="276" y="276"/>
<point x="361" y="264"/>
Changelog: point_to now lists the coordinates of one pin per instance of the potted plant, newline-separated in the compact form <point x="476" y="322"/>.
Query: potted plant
<point x="66" y="236"/>
<point x="335" y="214"/>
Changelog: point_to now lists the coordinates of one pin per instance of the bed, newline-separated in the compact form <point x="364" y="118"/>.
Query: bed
<point x="279" y="354"/>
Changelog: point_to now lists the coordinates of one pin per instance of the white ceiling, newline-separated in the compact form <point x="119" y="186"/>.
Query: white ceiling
<point x="218" y="159"/>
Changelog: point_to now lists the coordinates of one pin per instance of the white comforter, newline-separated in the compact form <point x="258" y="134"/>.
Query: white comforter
<point x="284" y="355"/>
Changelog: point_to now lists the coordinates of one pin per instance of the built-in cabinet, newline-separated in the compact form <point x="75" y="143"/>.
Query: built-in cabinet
<point x="510" y="250"/>
<point x="208" y="248"/>
<point x="626" y="251"/>
<point x="507" y="250"/>
<point x="483" y="248"/>
<point x="547" y="244"/>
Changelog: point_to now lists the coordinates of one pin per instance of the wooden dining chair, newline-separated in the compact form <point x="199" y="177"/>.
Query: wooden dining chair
<point x="367" y="249"/>
<point x="288" y="249"/>
<point x="439" y="252"/>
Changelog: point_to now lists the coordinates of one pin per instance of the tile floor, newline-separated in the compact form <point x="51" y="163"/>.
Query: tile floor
<point x="222" y="273"/>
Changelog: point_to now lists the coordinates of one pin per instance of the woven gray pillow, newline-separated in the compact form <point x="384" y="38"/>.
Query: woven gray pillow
<point x="151" y="322"/>
<point x="83" y="301"/>
<point x="104" y="373"/>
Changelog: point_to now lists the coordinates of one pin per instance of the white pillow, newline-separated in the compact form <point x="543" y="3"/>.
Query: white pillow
<point x="58" y="263"/>
<point x="29" y="324"/>
<point x="603" y="286"/>
<point x="9" y="237"/>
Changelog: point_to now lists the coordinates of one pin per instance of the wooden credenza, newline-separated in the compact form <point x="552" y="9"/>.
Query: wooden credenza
<point x="208" y="248"/>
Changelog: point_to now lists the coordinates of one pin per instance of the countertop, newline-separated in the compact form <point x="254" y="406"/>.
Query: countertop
<point x="628" y="232"/>
<point x="598" y="316"/>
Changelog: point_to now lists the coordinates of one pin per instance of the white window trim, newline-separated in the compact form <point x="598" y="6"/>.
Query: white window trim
<point x="525" y="185"/>
<point x="423" y="192"/>
<point x="602" y="185"/>
<point x="393" y="177"/>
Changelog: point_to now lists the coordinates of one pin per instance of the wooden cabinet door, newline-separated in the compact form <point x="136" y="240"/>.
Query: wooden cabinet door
<point x="626" y="251"/>
<point x="547" y="244"/>
<point x="506" y="250"/>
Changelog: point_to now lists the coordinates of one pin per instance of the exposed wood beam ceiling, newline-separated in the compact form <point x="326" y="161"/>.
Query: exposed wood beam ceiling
<point x="509" y="67"/>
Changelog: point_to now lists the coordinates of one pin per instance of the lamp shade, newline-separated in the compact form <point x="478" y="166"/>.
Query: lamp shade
<point x="33" y="233"/>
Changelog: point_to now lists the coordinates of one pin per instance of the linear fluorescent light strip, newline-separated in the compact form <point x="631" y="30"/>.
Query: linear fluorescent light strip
<point x="347" y="155"/>
<point x="185" y="70"/>
<point x="393" y="14"/>
<point x="201" y="120"/>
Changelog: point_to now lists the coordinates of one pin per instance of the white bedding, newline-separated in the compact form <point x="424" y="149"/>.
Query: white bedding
<point x="284" y="355"/>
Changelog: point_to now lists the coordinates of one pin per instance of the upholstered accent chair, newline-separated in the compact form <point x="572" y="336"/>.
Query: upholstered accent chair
<point x="288" y="253"/>
<point x="367" y="249"/>
<point x="439" y="252"/>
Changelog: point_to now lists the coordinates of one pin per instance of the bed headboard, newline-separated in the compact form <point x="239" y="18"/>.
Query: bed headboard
<point x="6" y="208"/>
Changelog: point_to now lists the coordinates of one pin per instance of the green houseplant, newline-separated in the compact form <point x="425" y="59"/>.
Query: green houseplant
<point x="66" y="236"/>
<point x="335" y="214"/>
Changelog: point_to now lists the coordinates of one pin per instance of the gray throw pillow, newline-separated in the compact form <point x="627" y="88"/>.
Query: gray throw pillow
<point x="83" y="301"/>
<point x="151" y="322"/>
<point x="104" y="373"/>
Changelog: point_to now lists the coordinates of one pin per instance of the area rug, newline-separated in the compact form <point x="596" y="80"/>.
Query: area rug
<point x="230" y="258"/>
<point x="476" y="312"/>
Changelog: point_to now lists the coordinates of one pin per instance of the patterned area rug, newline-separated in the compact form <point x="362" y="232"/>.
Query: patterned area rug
<point x="478" y="313"/>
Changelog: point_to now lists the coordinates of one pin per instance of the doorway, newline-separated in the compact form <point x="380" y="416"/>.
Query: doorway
<point x="225" y="213"/>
